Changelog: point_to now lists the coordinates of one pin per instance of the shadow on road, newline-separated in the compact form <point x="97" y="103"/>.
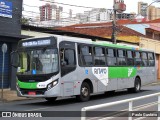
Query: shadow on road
<point x="74" y="101"/>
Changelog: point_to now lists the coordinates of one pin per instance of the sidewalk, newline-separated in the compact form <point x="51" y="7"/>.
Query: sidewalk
<point x="9" y="95"/>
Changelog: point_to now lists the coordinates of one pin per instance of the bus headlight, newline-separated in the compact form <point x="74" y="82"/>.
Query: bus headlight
<point x="52" y="84"/>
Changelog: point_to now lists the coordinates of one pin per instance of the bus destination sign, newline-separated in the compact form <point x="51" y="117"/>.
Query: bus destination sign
<point x="36" y="43"/>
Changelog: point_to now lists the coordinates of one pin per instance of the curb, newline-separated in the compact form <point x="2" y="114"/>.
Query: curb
<point x="13" y="100"/>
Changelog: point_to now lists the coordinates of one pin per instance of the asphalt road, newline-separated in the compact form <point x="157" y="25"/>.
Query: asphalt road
<point x="73" y="107"/>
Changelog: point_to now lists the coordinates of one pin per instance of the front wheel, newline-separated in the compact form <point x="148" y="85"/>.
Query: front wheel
<point x="84" y="92"/>
<point x="51" y="99"/>
<point x="137" y="86"/>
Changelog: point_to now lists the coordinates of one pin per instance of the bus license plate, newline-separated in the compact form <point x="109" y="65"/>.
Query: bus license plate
<point x="31" y="93"/>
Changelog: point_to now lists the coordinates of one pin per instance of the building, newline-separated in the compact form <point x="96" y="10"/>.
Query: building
<point x="82" y="17"/>
<point x="149" y="12"/>
<point x="95" y="15"/>
<point x="154" y="13"/>
<point x="121" y="16"/>
<point x="99" y="14"/>
<point x="45" y="12"/>
<point x="50" y="11"/>
<point x="143" y="9"/>
<point x="10" y="33"/>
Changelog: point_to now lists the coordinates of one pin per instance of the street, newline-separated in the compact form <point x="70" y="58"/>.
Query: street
<point x="73" y="106"/>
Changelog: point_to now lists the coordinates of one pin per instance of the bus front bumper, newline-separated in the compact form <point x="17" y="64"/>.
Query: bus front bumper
<point x="41" y="93"/>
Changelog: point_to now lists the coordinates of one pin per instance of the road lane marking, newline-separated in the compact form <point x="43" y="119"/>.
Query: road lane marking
<point x="38" y="109"/>
<point x="136" y="108"/>
<point x="153" y="103"/>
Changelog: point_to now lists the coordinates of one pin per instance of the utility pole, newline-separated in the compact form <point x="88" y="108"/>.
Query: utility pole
<point x="114" y="24"/>
<point x="118" y="6"/>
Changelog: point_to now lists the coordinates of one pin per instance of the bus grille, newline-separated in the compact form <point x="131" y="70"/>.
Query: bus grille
<point x="37" y="91"/>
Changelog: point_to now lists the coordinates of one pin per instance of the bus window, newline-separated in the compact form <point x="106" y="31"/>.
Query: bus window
<point x="86" y="54"/>
<point x="67" y="57"/>
<point x="68" y="61"/>
<point x="111" y="57"/>
<point x="99" y="56"/>
<point x="130" y="60"/>
<point x="151" y="61"/>
<point x="121" y="57"/>
<point x="144" y="59"/>
<point x="137" y="59"/>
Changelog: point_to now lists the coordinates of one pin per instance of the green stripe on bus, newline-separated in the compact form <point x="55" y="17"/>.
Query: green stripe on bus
<point x="27" y="85"/>
<point x="112" y="45"/>
<point x="122" y="72"/>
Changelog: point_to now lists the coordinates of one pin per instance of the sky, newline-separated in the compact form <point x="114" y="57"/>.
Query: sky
<point x="131" y="5"/>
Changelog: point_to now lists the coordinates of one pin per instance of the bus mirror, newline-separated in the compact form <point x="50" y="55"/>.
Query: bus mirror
<point x="15" y="59"/>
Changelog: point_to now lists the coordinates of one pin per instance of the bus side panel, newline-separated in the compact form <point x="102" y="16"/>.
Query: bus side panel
<point x="112" y="84"/>
<point x="67" y="83"/>
<point x="142" y="72"/>
<point x="147" y="75"/>
<point x="85" y="73"/>
<point x="150" y="74"/>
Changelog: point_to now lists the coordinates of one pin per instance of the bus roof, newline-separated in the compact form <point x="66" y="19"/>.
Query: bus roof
<point x="90" y="41"/>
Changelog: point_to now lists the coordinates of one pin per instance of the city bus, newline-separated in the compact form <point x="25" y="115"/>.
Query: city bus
<point x="61" y="66"/>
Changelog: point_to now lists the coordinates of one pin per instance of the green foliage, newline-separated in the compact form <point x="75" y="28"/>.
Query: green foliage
<point x="24" y="21"/>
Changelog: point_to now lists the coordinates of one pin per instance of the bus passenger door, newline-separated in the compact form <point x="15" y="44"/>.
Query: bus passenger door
<point x="68" y="68"/>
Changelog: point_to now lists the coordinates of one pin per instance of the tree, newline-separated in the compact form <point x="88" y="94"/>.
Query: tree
<point x="24" y="21"/>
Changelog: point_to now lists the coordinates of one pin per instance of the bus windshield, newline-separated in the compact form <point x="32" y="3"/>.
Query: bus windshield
<point x="34" y="62"/>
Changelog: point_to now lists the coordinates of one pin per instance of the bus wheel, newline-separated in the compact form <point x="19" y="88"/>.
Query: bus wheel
<point x="84" y="92"/>
<point x="51" y="99"/>
<point x="137" y="86"/>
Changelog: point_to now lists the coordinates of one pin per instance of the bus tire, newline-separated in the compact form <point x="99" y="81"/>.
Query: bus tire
<point x="84" y="92"/>
<point x="137" y="86"/>
<point x="51" y="99"/>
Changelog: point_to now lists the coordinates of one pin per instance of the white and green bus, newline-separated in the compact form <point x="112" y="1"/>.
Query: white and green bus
<point x="60" y="66"/>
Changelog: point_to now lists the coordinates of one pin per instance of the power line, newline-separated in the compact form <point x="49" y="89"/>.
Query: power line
<point x="39" y="13"/>
<point x="68" y="4"/>
<point x="61" y="11"/>
<point x="85" y="19"/>
<point x="95" y="15"/>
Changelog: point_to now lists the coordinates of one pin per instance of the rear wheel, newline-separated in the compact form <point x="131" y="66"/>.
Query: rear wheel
<point x="84" y="92"/>
<point x="137" y="86"/>
<point x="51" y="99"/>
